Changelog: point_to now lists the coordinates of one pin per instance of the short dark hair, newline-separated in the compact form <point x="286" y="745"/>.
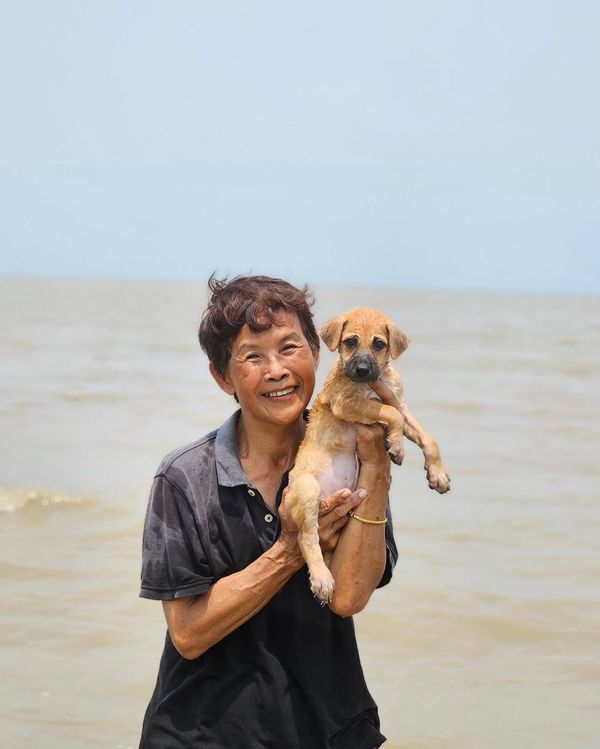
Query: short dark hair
<point x="253" y="301"/>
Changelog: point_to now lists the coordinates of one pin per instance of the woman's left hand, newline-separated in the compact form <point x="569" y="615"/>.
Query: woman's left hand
<point x="370" y="445"/>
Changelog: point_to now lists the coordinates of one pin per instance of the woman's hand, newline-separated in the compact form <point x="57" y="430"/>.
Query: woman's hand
<point x="333" y="515"/>
<point x="386" y="394"/>
<point x="370" y="445"/>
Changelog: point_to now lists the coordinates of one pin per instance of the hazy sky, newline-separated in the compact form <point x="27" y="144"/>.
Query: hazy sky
<point x="419" y="144"/>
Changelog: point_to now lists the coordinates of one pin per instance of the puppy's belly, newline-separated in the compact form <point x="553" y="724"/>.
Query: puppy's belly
<point x="342" y="473"/>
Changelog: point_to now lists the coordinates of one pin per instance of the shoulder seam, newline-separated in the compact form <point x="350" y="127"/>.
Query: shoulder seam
<point x="183" y="450"/>
<point x="171" y="483"/>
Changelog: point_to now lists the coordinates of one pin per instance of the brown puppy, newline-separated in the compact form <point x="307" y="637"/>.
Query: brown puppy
<point x="326" y="461"/>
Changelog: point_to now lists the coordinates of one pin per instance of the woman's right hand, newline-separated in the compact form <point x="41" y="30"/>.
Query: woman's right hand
<point x="333" y="515"/>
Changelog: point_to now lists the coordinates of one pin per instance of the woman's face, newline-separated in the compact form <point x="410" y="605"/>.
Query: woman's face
<point x="272" y="373"/>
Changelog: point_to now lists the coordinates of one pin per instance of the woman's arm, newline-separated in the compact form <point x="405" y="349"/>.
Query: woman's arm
<point x="197" y="623"/>
<point x="359" y="559"/>
<point x="357" y="564"/>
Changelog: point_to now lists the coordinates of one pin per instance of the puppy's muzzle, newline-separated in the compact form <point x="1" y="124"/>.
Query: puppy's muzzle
<point x="362" y="369"/>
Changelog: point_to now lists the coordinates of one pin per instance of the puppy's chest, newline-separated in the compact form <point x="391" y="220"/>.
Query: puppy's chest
<point x="341" y="468"/>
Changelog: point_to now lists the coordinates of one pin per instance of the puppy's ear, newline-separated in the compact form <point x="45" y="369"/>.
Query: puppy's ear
<point x="331" y="332"/>
<point x="398" y="341"/>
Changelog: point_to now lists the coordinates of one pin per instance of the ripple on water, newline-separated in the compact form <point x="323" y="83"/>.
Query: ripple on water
<point x="14" y="500"/>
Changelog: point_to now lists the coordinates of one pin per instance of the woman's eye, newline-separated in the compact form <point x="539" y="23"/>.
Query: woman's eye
<point x="290" y="348"/>
<point x="378" y="345"/>
<point x="250" y="357"/>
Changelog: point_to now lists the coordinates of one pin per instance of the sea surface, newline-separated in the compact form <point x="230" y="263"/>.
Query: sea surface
<point x="488" y="637"/>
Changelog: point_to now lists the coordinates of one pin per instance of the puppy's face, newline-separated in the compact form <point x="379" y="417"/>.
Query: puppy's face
<point x="365" y="339"/>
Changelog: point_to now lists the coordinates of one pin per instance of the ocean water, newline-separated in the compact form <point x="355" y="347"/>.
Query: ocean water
<point x="488" y="636"/>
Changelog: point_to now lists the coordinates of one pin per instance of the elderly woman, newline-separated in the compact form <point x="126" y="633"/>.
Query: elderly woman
<point x="251" y="659"/>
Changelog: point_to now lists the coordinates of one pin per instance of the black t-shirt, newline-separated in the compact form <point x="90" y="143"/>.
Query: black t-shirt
<point x="290" y="677"/>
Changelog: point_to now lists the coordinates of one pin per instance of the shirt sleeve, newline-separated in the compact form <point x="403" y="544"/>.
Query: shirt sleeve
<point x="391" y="552"/>
<point x="174" y="564"/>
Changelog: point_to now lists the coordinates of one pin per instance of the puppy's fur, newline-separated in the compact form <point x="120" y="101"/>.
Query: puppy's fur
<point x="326" y="461"/>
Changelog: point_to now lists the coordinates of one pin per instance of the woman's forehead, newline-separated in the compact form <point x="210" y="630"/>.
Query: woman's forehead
<point x="283" y="324"/>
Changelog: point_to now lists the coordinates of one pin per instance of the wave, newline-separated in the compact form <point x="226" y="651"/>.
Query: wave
<point x="14" y="500"/>
<point x="92" y="395"/>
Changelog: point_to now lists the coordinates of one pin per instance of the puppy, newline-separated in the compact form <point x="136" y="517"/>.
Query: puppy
<point x="326" y="460"/>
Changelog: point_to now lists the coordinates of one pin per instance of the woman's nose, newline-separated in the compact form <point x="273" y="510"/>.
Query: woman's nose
<point x="276" y="368"/>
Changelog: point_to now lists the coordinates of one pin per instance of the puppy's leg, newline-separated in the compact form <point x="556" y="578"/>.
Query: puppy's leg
<point x="365" y="411"/>
<point x="303" y="500"/>
<point x="437" y="477"/>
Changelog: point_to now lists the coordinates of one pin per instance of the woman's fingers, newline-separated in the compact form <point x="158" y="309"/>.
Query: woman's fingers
<point x="330" y="526"/>
<point x="386" y="393"/>
<point x="370" y="444"/>
<point x="340" y="503"/>
<point x="333" y="500"/>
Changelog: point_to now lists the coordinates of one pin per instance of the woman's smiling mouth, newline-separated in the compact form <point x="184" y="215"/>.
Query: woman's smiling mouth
<point x="280" y="393"/>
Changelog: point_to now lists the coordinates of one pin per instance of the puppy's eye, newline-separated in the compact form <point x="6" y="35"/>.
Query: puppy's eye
<point x="350" y="342"/>
<point x="379" y="345"/>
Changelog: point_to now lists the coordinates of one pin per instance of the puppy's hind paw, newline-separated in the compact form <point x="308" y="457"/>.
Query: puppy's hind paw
<point x="322" y="586"/>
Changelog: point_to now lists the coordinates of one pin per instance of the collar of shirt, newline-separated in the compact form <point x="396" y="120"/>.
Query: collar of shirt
<point x="227" y="461"/>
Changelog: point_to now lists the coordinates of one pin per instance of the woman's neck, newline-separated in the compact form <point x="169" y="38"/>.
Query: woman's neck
<point x="268" y="448"/>
<point x="266" y="453"/>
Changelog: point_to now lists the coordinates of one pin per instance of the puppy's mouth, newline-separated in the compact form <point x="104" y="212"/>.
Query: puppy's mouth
<point x="362" y="370"/>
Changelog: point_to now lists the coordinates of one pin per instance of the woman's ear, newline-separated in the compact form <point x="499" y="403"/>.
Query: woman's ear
<point x="331" y="332"/>
<point x="316" y="353"/>
<point x="221" y="380"/>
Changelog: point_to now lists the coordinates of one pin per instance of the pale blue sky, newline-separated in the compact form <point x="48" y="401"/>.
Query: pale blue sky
<point x="422" y="144"/>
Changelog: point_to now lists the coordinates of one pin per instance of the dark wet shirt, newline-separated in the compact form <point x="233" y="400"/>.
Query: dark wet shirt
<point x="290" y="677"/>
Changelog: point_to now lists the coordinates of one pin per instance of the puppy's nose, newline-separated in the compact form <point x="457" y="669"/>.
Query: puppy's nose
<point x="361" y="369"/>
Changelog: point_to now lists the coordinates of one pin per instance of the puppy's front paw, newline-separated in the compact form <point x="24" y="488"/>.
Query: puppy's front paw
<point x="395" y="449"/>
<point x="438" y="479"/>
<point x="396" y="457"/>
<point x="322" y="585"/>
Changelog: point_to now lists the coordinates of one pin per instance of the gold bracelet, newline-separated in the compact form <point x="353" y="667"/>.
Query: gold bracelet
<point x="364" y="520"/>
